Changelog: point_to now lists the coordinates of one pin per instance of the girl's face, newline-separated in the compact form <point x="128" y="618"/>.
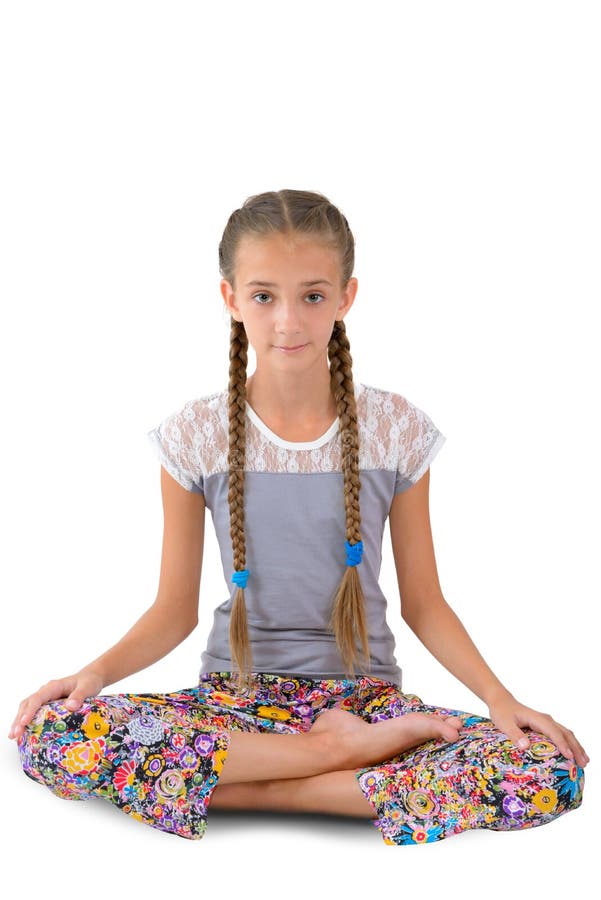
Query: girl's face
<point x="277" y="305"/>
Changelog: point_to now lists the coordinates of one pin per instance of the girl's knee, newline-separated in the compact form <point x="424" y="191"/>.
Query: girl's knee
<point x="552" y="783"/>
<point x="65" y="749"/>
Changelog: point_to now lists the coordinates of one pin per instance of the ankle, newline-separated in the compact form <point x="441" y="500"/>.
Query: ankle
<point x="334" y="749"/>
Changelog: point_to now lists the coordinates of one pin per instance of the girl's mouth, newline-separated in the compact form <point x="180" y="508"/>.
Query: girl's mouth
<point x="291" y="349"/>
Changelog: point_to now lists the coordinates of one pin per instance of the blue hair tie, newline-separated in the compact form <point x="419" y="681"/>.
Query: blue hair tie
<point x="353" y="553"/>
<point x="240" y="578"/>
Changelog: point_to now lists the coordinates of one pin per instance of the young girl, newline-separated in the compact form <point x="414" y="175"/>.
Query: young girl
<point x="300" y="467"/>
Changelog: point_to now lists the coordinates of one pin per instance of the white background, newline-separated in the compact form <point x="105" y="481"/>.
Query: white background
<point x="462" y="142"/>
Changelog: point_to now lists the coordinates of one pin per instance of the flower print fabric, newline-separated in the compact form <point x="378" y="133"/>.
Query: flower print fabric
<point x="158" y="757"/>
<point x="482" y="780"/>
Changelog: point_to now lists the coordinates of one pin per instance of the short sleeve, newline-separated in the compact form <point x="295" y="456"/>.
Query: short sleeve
<point x="419" y="442"/>
<point x="177" y="442"/>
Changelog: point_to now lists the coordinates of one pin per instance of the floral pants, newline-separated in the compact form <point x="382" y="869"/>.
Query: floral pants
<point x="158" y="757"/>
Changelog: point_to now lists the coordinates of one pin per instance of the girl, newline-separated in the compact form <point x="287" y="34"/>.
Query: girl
<point x="300" y="468"/>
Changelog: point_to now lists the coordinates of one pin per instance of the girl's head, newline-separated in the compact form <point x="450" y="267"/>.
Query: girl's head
<point x="288" y="290"/>
<point x="294" y="236"/>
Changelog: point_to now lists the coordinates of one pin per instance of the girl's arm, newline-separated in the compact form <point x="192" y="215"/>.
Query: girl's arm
<point x="423" y="606"/>
<point x="430" y="617"/>
<point x="174" y="613"/>
<point x="156" y="633"/>
<point x="152" y="637"/>
<point x="442" y="632"/>
<point x="170" y="619"/>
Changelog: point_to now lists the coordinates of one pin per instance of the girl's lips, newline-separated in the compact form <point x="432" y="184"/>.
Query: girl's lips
<point x="291" y="349"/>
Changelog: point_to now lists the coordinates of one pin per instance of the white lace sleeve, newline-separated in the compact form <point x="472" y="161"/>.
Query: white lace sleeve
<point x="420" y="440"/>
<point x="177" y="443"/>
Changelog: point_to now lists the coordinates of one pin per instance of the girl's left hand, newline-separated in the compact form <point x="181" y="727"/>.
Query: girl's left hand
<point x="510" y="716"/>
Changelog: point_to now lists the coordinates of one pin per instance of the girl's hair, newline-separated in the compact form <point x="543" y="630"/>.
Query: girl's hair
<point x="294" y="213"/>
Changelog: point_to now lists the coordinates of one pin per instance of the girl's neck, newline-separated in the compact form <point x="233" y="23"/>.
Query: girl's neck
<point x="308" y="404"/>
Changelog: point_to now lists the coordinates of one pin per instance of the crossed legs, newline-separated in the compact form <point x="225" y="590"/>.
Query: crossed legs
<point x="337" y="793"/>
<point x="315" y="771"/>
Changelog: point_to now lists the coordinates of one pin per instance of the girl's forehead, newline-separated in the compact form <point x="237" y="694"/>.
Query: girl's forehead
<point x="259" y="256"/>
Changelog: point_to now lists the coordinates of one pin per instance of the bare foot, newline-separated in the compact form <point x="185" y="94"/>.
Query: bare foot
<point x="371" y="743"/>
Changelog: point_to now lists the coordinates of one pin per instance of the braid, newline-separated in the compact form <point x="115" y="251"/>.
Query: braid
<point x="239" y="642"/>
<point x="349" y="602"/>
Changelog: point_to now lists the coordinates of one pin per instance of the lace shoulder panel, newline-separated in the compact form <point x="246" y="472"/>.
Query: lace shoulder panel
<point x="394" y="434"/>
<point x="400" y="436"/>
<point x="185" y="440"/>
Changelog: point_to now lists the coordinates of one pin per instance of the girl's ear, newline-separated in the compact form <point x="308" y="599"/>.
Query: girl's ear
<point x="229" y="299"/>
<point x="348" y="298"/>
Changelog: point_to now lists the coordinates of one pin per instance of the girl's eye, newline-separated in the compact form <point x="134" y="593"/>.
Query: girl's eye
<point x="263" y="294"/>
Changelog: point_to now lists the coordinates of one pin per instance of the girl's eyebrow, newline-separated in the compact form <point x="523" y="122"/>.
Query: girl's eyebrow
<point x="303" y="283"/>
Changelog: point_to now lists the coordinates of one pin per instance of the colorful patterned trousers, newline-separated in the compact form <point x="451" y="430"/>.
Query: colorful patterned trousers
<point x="158" y="757"/>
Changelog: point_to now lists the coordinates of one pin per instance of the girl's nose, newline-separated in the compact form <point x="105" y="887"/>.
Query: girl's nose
<point x="288" y="322"/>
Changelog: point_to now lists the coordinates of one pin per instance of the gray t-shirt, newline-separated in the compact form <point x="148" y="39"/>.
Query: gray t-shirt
<point x="295" y="524"/>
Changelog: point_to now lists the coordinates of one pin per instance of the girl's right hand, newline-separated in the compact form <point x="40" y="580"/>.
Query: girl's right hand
<point x="75" y="688"/>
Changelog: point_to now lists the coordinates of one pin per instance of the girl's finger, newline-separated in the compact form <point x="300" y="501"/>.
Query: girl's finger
<point x="551" y="729"/>
<point x="579" y="753"/>
<point x="30" y="705"/>
<point x="576" y="746"/>
<point x="20" y="713"/>
<point x="52" y="690"/>
<point x="12" y="725"/>
<point x="22" y="718"/>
